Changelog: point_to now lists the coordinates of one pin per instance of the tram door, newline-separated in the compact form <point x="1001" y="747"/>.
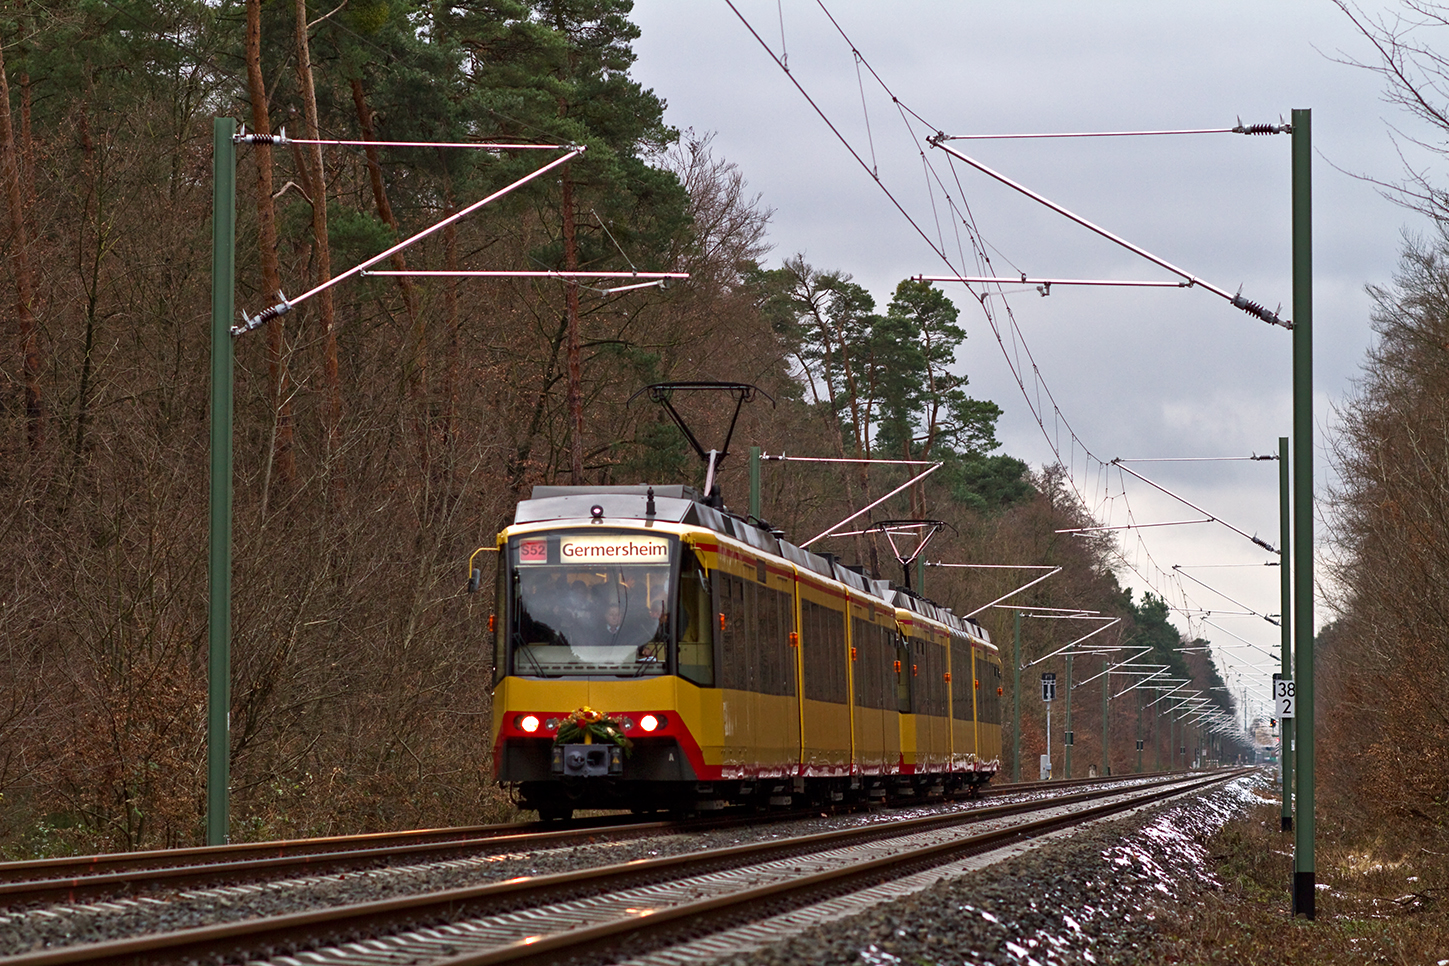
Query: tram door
<point x="825" y="739"/>
<point x="964" y="738"/>
<point x="934" y="725"/>
<point x="779" y="702"/>
<point x="905" y="700"/>
<point x="873" y="686"/>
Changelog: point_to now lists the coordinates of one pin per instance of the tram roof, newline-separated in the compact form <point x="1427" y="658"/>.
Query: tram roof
<point x="679" y="503"/>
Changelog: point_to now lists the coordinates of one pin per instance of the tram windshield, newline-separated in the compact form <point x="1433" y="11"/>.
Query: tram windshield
<point x="590" y="604"/>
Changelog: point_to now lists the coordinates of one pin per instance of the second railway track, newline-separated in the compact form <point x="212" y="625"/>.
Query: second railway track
<point x="136" y="873"/>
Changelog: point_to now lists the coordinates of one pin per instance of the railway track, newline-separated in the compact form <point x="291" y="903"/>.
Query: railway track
<point x="584" y="913"/>
<point x="69" y="880"/>
<point x="132" y="873"/>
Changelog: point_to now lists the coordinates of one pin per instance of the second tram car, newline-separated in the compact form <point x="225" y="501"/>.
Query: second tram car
<point x="730" y="666"/>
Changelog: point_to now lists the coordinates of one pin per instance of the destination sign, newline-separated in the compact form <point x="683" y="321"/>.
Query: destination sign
<point x="614" y="548"/>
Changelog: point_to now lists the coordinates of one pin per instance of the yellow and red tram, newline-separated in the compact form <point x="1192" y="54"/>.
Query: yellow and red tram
<point x="728" y="665"/>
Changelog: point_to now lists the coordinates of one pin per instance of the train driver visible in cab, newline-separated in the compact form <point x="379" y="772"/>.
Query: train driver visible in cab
<point x="656" y="648"/>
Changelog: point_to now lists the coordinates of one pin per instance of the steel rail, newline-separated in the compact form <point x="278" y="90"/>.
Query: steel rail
<point x="137" y="873"/>
<point x="337" y="924"/>
<point x="71" y="878"/>
<point x="135" y="882"/>
<point x="78" y="867"/>
<point x="731" y="909"/>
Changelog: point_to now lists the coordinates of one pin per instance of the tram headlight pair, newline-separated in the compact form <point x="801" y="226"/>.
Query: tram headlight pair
<point x="530" y="723"/>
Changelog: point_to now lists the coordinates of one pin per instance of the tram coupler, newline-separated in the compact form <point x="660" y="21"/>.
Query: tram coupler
<point x="587" y="761"/>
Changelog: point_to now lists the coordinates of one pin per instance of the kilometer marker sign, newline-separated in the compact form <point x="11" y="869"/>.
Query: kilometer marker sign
<point x="1283" y="696"/>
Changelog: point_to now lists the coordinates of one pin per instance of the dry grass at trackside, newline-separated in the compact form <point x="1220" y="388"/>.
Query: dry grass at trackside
<point x="1387" y="900"/>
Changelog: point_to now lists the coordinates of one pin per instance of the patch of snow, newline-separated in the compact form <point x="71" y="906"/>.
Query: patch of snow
<point x="875" y="956"/>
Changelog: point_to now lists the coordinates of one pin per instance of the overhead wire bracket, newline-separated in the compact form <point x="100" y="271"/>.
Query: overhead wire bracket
<point x="266" y="315"/>
<point x="939" y="139"/>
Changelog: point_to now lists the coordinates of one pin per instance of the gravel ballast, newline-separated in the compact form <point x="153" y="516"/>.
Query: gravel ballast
<point x="1092" y="895"/>
<point x="28" y="930"/>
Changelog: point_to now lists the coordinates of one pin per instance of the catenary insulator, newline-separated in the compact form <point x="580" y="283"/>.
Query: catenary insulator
<point x="1259" y="311"/>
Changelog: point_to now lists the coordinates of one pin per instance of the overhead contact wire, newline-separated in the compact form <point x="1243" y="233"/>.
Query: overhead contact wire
<point x="836" y="131"/>
<point x="1019" y="337"/>
<point x="979" y="244"/>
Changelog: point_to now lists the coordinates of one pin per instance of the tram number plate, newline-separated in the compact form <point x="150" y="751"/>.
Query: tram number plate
<point x="1284" y="698"/>
<point x="533" y="552"/>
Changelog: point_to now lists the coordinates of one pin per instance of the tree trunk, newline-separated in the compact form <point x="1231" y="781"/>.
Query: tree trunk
<point x="451" y="321"/>
<point x="576" y="379"/>
<point x="27" y="146"/>
<point x="93" y="175"/>
<point x="281" y="459"/>
<point x="28" y="338"/>
<point x="331" y="385"/>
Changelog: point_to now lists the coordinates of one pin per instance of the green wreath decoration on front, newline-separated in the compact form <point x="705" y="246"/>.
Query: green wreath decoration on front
<point x="587" y="726"/>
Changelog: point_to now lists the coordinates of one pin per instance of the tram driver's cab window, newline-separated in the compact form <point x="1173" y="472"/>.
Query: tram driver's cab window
<point x="590" y="604"/>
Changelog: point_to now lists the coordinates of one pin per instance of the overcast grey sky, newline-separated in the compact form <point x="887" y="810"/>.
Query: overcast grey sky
<point x="1138" y="373"/>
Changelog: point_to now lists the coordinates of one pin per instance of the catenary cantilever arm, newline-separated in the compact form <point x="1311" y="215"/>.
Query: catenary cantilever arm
<point x="286" y="305"/>
<point x="1252" y="308"/>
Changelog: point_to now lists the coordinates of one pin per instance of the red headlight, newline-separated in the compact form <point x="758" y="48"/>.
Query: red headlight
<point x="651" y="722"/>
<point x="528" y="723"/>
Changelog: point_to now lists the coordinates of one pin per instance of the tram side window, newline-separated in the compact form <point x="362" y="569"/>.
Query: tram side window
<point x="940" y="698"/>
<point x="929" y="673"/>
<point x="961" y="680"/>
<point x="749" y="634"/>
<point x="755" y="653"/>
<point x="917" y="667"/>
<point x="734" y="638"/>
<point x="992" y="714"/>
<point x="777" y="669"/>
<point x="696" y="623"/>
<point x="860" y="665"/>
<point x="823" y="651"/>
<point x="872" y="668"/>
<point x="886" y="647"/>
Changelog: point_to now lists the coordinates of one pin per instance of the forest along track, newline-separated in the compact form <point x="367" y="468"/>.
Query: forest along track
<point x="136" y="873"/>
<point x="549" y="918"/>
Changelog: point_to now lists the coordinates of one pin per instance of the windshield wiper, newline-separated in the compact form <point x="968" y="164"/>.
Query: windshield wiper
<point x="520" y="647"/>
